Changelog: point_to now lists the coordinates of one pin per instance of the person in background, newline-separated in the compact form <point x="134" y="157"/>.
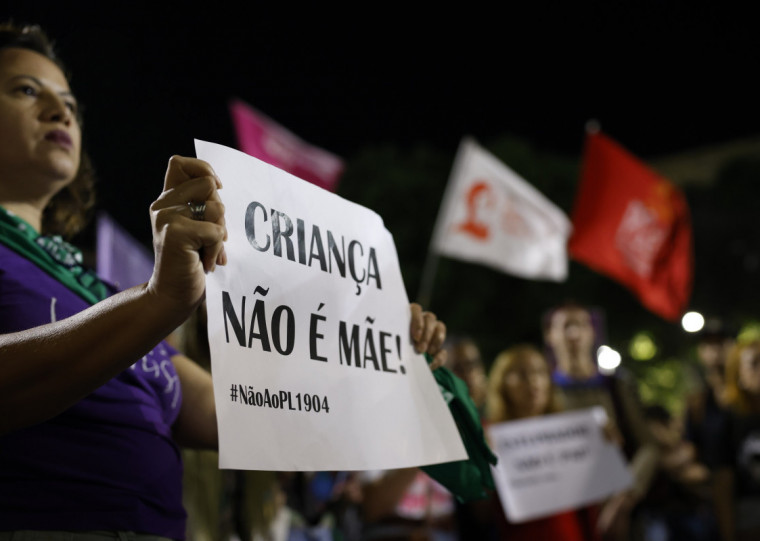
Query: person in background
<point x="463" y="359"/>
<point x="323" y="505"/>
<point x="406" y="505"/>
<point x="570" y="337"/>
<point x="737" y="466"/>
<point x="519" y="387"/>
<point x="678" y="505"/>
<point x="706" y="409"/>
<point x="475" y="519"/>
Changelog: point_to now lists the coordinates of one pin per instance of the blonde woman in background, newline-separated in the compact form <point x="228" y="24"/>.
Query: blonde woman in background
<point x="519" y="387"/>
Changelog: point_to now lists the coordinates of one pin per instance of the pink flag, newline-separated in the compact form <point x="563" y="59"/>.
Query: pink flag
<point x="266" y="140"/>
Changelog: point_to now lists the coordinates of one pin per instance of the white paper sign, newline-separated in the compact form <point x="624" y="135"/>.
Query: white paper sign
<point x="554" y="463"/>
<point x="308" y="325"/>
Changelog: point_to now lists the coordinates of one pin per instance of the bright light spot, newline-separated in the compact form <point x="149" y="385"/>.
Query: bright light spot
<point x="692" y="321"/>
<point x="608" y="359"/>
<point x="642" y="347"/>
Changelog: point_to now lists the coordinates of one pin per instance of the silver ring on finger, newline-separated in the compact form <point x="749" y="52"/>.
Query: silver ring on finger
<point x="197" y="210"/>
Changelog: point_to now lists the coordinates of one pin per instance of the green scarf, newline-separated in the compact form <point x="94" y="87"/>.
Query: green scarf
<point x="52" y="254"/>
<point x="466" y="479"/>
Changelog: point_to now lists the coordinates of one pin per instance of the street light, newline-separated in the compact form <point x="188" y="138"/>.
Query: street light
<point x="608" y="359"/>
<point x="692" y="322"/>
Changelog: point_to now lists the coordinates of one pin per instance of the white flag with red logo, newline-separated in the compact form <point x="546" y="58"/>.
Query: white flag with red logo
<point x="491" y="215"/>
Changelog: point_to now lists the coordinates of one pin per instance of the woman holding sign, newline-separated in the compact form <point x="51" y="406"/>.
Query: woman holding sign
<point x="519" y="387"/>
<point x="93" y="404"/>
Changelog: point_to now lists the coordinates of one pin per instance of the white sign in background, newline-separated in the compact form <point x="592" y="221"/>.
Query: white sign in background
<point x="555" y="463"/>
<point x="308" y="325"/>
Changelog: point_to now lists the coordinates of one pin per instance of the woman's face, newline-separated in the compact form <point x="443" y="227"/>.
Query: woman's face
<point x="40" y="138"/>
<point x="572" y="331"/>
<point x="527" y="385"/>
<point x="749" y="370"/>
<point x="466" y="365"/>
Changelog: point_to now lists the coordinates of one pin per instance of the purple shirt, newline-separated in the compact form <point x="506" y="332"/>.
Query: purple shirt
<point x="108" y="462"/>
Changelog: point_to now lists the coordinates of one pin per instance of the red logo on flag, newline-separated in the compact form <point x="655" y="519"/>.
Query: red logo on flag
<point x="480" y="200"/>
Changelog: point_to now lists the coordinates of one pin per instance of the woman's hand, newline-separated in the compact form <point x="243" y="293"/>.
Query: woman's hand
<point x="47" y="369"/>
<point x="185" y="246"/>
<point x="614" y="517"/>
<point x="612" y="434"/>
<point x="428" y="335"/>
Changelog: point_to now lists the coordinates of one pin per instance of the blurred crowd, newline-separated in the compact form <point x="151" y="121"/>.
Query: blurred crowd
<point x="695" y="472"/>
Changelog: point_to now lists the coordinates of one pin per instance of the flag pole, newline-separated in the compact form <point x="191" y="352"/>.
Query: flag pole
<point x="424" y="295"/>
<point x="428" y="277"/>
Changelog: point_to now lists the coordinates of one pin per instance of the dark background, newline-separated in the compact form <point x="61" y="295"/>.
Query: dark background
<point x="392" y="89"/>
<point x="153" y="76"/>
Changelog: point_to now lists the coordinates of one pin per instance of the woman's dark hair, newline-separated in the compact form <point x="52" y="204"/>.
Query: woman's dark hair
<point x="68" y="211"/>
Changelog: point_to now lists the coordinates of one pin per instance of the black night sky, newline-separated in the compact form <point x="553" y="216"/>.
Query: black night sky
<point x="659" y="77"/>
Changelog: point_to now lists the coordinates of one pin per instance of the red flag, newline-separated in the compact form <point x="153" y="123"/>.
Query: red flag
<point x="266" y="140"/>
<point x="633" y="225"/>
